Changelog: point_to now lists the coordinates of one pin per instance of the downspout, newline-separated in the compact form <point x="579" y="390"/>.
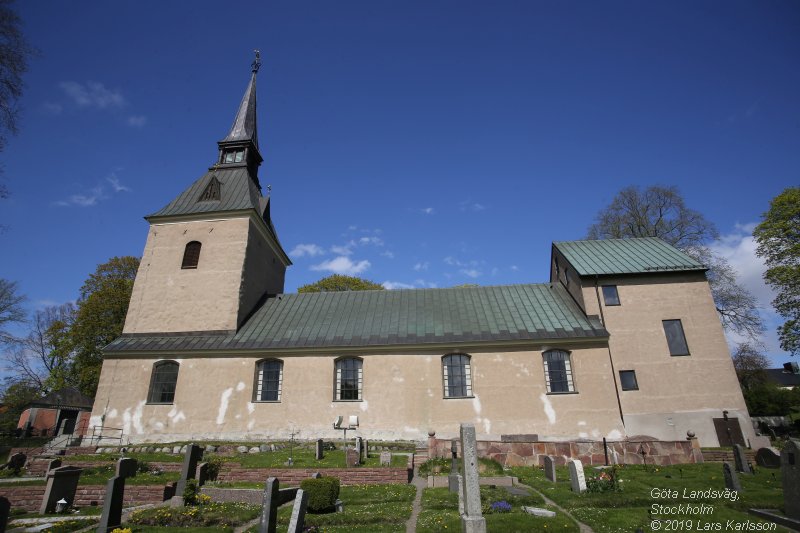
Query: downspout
<point x="610" y="359"/>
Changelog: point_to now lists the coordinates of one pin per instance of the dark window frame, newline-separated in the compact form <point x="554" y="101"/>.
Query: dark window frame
<point x="622" y="380"/>
<point x="614" y="298"/>
<point x="463" y="386"/>
<point x="261" y="379"/>
<point x="677" y="347"/>
<point x="346" y="371"/>
<point x="161" y="381"/>
<point x="564" y="373"/>
<point x="191" y="255"/>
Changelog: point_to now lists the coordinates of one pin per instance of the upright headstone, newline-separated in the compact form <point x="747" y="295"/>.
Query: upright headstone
<point x="790" y="474"/>
<point x="269" y="506"/>
<point x="472" y="520"/>
<point x="768" y="458"/>
<point x="320" y="453"/>
<point x="549" y="468"/>
<point x="577" y="479"/>
<point x="194" y="454"/>
<point x="297" y="521"/>
<point x="740" y="459"/>
<point x="351" y="456"/>
<point x="115" y="492"/>
<point x="55" y="463"/>
<point x="359" y="446"/>
<point x="365" y="450"/>
<point x="5" y="511"/>
<point x="731" y="477"/>
<point x="452" y="479"/>
<point x="202" y="474"/>
<point x="61" y="483"/>
<point x="386" y="458"/>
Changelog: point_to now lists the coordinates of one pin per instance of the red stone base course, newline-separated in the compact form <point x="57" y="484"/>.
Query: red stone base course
<point x="30" y="498"/>
<point x="293" y="476"/>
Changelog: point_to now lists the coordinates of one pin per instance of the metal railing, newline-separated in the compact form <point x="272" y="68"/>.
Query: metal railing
<point x="99" y="435"/>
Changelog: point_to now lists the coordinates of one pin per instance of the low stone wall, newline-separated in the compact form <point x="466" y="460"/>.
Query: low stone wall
<point x="30" y="498"/>
<point x="293" y="476"/>
<point x="718" y="456"/>
<point x="27" y="498"/>
<point x="38" y="465"/>
<point x="588" y="452"/>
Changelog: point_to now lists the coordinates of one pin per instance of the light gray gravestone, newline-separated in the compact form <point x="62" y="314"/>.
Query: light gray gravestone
<point x="472" y="520"/>
<point x="115" y="492"/>
<point x="740" y="459"/>
<point x="320" y="453"/>
<point x="351" y="457"/>
<point x="790" y="474"/>
<point x="549" y="468"/>
<point x="61" y="483"/>
<point x="297" y="521"/>
<point x="194" y="454"/>
<point x="577" y="478"/>
<point x="731" y="477"/>
<point x="359" y="447"/>
<point x="269" y="506"/>
<point x="365" y="450"/>
<point x="386" y="458"/>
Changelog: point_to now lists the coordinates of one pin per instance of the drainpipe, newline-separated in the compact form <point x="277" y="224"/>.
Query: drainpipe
<point x="610" y="359"/>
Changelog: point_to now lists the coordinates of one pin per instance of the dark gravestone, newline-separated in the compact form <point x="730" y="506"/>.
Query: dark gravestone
<point x="768" y="458"/>
<point x="115" y="492"/>
<point x="61" y="483"/>
<point x="790" y="474"/>
<point x="731" y="477"/>
<point x="740" y="459"/>
<point x="16" y="462"/>
<point x="55" y="463"/>
<point x="359" y="447"/>
<point x="269" y="506"/>
<point x="297" y="521"/>
<point x="202" y="474"/>
<point x="5" y="510"/>
<point x="549" y="468"/>
<point x="194" y="454"/>
<point x="320" y="453"/>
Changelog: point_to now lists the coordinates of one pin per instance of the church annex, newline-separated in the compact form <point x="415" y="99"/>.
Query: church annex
<point x="624" y="339"/>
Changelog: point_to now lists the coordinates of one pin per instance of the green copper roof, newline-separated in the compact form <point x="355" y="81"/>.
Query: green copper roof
<point x="625" y="256"/>
<point x="393" y="318"/>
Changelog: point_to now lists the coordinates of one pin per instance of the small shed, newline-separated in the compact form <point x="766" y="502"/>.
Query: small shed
<point x="61" y="412"/>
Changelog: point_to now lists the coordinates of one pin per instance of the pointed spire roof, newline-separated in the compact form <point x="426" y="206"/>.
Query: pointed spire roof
<point x="244" y="125"/>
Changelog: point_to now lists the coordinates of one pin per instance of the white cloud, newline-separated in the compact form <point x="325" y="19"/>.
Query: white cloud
<point x="468" y="205"/>
<point x="421" y="266"/>
<point x="94" y="195"/>
<point x="471" y="272"/>
<point x="389" y="254"/>
<point x="346" y="249"/>
<point x="310" y="250"/>
<point x="374" y="241"/>
<point x="739" y="248"/>
<point x="428" y="211"/>
<point x="342" y="265"/>
<point x="116" y="184"/>
<point x="92" y="94"/>
<point x="137" y="121"/>
<point x="392" y="285"/>
<point x="515" y="268"/>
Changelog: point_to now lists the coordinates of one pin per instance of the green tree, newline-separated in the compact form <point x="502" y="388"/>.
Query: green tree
<point x="15" y="397"/>
<point x="11" y="311"/>
<point x="778" y="237"/>
<point x="661" y="212"/>
<point x="339" y="283"/>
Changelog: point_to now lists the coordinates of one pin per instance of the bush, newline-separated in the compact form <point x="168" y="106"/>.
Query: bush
<point x="190" y="492"/>
<point x="214" y="464"/>
<point x="322" y="493"/>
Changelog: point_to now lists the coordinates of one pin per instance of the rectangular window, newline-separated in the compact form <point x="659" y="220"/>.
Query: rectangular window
<point x="349" y="378"/>
<point x="268" y="381"/>
<point x="676" y="340"/>
<point x="558" y="372"/>
<point x="610" y="295"/>
<point x="627" y="379"/>
<point x="457" y="376"/>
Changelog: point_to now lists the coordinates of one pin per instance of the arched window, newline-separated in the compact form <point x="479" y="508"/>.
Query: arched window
<point x="348" y="379"/>
<point x="191" y="255"/>
<point x="162" y="382"/>
<point x="457" y="376"/>
<point x="269" y="380"/>
<point x="558" y="371"/>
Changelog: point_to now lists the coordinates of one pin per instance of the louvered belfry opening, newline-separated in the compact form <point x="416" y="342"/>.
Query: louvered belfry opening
<point x="191" y="256"/>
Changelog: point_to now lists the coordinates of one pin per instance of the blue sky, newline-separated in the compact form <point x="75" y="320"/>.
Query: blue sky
<point x="412" y="143"/>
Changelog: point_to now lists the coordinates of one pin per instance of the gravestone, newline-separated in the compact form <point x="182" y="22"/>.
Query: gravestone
<point x="61" y="483"/>
<point x="472" y="520"/>
<point x="297" y="521"/>
<point x="316" y="475"/>
<point x="359" y="446"/>
<point x="790" y="474"/>
<point x="269" y="507"/>
<point x="115" y="492"/>
<point x="320" y="453"/>
<point x="549" y="468"/>
<point x="386" y="458"/>
<point x="768" y="458"/>
<point x="16" y="462"/>
<point x="351" y="455"/>
<point x="194" y="454"/>
<point x="55" y="463"/>
<point x="452" y="479"/>
<point x="202" y="474"/>
<point x="731" y="477"/>
<point x="740" y="459"/>
<point x="5" y="511"/>
<point x="365" y="450"/>
<point x="577" y="479"/>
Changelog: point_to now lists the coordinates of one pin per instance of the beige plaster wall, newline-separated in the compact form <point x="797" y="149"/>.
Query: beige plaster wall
<point x="263" y="272"/>
<point x="676" y="393"/>
<point x="167" y="298"/>
<point x="402" y="398"/>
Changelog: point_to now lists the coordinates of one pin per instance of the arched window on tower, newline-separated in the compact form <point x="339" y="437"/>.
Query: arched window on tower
<point x="162" y="382"/>
<point x="191" y="255"/>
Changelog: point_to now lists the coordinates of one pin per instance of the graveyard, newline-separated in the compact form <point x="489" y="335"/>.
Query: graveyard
<point x="298" y="486"/>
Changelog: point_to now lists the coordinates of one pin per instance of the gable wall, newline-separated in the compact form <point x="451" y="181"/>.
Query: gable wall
<point x="263" y="272"/>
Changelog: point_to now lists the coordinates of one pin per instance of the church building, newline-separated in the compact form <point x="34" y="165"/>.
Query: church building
<point x="623" y="340"/>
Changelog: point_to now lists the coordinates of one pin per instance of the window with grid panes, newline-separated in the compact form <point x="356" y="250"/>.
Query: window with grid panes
<point x="191" y="255"/>
<point x="269" y="378"/>
<point x="457" y="376"/>
<point x="162" y="382"/>
<point x="349" y="379"/>
<point x="558" y="372"/>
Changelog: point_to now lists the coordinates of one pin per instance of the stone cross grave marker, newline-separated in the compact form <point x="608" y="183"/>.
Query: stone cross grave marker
<point x="297" y="521"/>
<point x="194" y="454"/>
<point x="61" y="483"/>
<point x="472" y="520"/>
<point x="731" y="477"/>
<point x="115" y="492"/>
<point x="386" y="458"/>
<point x="549" y="468"/>
<point x="740" y="459"/>
<point x="319" y="452"/>
<point x="577" y="478"/>
<point x="790" y="474"/>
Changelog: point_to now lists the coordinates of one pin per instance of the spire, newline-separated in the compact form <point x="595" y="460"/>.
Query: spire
<point x="244" y="125"/>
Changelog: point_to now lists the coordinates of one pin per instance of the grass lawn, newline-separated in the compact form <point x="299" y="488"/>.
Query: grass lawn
<point x="208" y="517"/>
<point x="305" y="458"/>
<point x="440" y="513"/>
<point x="628" y="509"/>
<point x="113" y="457"/>
<point x="99" y="475"/>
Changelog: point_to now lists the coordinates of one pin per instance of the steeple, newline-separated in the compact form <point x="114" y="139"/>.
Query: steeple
<point x="240" y="147"/>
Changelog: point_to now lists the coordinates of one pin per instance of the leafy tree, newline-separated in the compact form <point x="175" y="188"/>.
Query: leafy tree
<point x="15" y="397"/>
<point x="767" y="399"/>
<point x="778" y="237"/>
<point x="339" y="283"/>
<point x="11" y="310"/>
<point x="750" y="365"/>
<point x="661" y="212"/>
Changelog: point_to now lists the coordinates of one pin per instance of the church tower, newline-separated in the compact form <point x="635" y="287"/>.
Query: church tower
<point x="212" y="254"/>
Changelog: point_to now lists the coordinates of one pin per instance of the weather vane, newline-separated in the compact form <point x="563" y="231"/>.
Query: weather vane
<point x="257" y="62"/>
